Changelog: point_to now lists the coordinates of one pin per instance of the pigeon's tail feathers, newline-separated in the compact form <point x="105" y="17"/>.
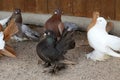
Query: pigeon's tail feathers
<point x="66" y="41"/>
<point x="30" y="33"/>
<point x="111" y="52"/>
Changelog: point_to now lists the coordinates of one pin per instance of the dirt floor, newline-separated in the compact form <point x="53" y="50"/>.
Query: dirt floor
<point x="25" y="67"/>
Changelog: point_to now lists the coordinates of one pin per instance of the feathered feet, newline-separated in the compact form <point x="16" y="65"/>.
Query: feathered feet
<point x="97" y="56"/>
<point x="57" y="67"/>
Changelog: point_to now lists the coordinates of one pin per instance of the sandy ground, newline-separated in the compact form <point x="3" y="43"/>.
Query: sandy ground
<point x="25" y="66"/>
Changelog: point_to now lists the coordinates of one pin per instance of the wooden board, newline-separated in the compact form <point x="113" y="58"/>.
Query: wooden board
<point x="8" y="5"/>
<point x="1" y="4"/>
<point x="19" y="4"/>
<point x="67" y="6"/>
<point x="108" y="8"/>
<point x="41" y="6"/>
<point x="91" y="6"/>
<point x="30" y="5"/>
<point x="117" y="12"/>
<point x="52" y="5"/>
<point x="79" y="8"/>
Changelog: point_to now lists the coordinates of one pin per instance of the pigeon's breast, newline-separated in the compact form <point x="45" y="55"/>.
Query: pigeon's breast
<point x="97" y="38"/>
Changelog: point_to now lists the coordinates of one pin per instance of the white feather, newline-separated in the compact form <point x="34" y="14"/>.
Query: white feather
<point x="102" y="42"/>
<point x="2" y="42"/>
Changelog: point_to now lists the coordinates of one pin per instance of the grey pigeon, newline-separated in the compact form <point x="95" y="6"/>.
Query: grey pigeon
<point x="25" y="32"/>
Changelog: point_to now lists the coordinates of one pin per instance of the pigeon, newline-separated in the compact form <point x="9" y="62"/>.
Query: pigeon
<point x="5" y="36"/>
<point x="55" y="23"/>
<point x="52" y="51"/>
<point x="25" y="32"/>
<point x="104" y="44"/>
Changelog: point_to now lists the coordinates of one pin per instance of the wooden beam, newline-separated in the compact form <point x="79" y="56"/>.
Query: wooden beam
<point x="40" y="19"/>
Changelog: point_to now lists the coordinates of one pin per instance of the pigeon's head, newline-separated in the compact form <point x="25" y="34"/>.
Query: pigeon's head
<point x="17" y="11"/>
<point x="101" y="21"/>
<point x="17" y="15"/>
<point x="50" y="35"/>
<point x="58" y="11"/>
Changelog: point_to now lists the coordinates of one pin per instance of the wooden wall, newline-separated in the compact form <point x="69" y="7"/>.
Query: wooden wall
<point x="82" y="8"/>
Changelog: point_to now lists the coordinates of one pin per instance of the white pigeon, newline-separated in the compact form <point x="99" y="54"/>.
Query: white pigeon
<point x="4" y="21"/>
<point x="104" y="44"/>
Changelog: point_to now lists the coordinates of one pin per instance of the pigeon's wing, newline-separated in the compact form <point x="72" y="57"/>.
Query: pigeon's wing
<point x="61" y="27"/>
<point x="114" y="42"/>
<point x="10" y="30"/>
<point x="30" y="33"/>
<point x="71" y="26"/>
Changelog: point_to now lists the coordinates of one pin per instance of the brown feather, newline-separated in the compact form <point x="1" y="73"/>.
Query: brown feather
<point x="0" y="53"/>
<point x="10" y="30"/>
<point x="1" y="27"/>
<point x="53" y="22"/>
<point x="8" y="51"/>
<point x="109" y="26"/>
<point x="94" y="19"/>
<point x="61" y="27"/>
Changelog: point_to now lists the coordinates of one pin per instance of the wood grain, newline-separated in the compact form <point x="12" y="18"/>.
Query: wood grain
<point x="67" y="6"/>
<point x="19" y="4"/>
<point x="79" y="8"/>
<point x="117" y="11"/>
<point x="82" y="8"/>
<point x="30" y="5"/>
<point x="8" y="5"/>
<point x="52" y="5"/>
<point x="41" y="6"/>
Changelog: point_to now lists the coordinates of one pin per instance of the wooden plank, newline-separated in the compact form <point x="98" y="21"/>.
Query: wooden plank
<point x="1" y="4"/>
<point x="7" y="5"/>
<point x="67" y="6"/>
<point x="52" y="5"/>
<point x="79" y="8"/>
<point x="30" y="5"/>
<point x="117" y="10"/>
<point x="19" y="4"/>
<point x="91" y="6"/>
<point x="41" y="6"/>
<point x="108" y="8"/>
